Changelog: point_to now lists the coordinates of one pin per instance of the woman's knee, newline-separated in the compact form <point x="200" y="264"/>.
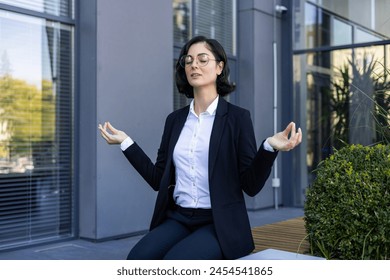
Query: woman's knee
<point x="138" y="253"/>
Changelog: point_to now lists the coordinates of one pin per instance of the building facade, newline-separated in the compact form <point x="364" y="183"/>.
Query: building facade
<point x="68" y="65"/>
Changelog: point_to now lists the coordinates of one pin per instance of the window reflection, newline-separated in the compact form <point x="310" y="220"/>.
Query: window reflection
<point x="348" y="99"/>
<point x="362" y="36"/>
<point x="370" y="14"/>
<point x="317" y="24"/>
<point x="341" y="33"/>
<point x="63" y="8"/>
<point x="28" y="92"/>
<point x="181" y="20"/>
<point x="323" y="26"/>
<point x="36" y="129"/>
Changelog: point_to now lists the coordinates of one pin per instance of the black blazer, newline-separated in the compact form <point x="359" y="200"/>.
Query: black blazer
<point x="235" y="165"/>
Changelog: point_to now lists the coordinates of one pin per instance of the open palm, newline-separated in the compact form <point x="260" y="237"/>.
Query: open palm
<point x="111" y="134"/>
<point x="281" y="141"/>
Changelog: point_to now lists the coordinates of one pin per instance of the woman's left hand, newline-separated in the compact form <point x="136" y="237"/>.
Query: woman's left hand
<point x="281" y="142"/>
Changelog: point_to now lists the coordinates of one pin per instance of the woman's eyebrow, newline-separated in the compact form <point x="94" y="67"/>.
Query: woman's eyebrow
<point x="198" y="54"/>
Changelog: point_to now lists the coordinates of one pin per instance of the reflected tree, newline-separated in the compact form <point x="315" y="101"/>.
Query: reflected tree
<point x="27" y="116"/>
<point x="359" y="101"/>
<point x="382" y="105"/>
<point x="361" y="123"/>
<point x="339" y="100"/>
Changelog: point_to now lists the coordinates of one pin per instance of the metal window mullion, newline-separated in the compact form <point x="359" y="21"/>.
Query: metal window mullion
<point x="341" y="47"/>
<point x="193" y="18"/>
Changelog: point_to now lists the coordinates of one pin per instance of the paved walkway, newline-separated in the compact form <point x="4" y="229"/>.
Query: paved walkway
<point x="79" y="249"/>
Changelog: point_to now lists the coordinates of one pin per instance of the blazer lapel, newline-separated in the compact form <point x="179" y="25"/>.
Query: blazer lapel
<point x="176" y="130"/>
<point x="216" y="133"/>
<point x="177" y="126"/>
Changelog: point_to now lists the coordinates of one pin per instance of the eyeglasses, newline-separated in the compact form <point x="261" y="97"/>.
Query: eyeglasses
<point x="202" y="60"/>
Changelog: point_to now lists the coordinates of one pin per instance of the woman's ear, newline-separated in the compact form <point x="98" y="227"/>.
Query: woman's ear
<point x="220" y="66"/>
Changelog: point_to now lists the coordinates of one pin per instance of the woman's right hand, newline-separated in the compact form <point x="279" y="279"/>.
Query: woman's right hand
<point x="111" y="134"/>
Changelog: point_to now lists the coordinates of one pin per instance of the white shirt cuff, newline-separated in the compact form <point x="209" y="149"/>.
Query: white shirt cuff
<point x="267" y="146"/>
<point x="126" y="143"/>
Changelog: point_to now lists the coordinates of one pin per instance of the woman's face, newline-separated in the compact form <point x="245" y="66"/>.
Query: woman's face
<point x="198" y="74"/>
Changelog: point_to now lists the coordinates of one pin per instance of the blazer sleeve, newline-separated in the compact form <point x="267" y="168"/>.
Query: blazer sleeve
<point x="151" y="172"/>
<point x="254" y="166"/>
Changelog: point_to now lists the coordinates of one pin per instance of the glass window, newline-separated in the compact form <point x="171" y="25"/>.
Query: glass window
<point x="216" y="19"/>
<point x="341" y="33"/>
<point x="362" y="36"/>
<point x="347" y="99"/>
<point x="310" y="25"/>
<point x="36" y="129"/>
<point x="317" y="25"/>
<point x="335" y="23"/>
<point x="211" y="18"/>
<point x="53" y="7"/>
<point x="369" y="14"/>
<point x="382" y="21"/>
<point x="181" y="21"/>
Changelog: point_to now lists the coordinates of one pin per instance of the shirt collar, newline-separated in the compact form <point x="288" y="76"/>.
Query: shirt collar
<point x="211" y="110"/>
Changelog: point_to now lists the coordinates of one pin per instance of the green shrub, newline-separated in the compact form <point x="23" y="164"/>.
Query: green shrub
<point x="347" y="208"/>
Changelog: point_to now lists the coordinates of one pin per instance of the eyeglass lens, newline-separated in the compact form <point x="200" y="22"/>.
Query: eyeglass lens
<point x="187" y="60"/>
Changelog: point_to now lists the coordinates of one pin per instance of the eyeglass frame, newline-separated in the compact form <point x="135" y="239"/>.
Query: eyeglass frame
<point x="182" y="60"/>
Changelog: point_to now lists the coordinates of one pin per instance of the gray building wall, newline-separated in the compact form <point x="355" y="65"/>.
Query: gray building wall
<point x="125" y="70"/>
<point x="258" y="28"/>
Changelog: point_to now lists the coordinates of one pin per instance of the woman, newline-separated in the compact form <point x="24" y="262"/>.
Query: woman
<point x="207" y="158"/>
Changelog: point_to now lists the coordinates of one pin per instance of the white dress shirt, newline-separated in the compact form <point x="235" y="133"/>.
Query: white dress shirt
<point x="191" y="157"/>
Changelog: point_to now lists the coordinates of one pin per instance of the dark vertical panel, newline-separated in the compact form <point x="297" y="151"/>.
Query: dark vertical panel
<point x="291" y="185"/>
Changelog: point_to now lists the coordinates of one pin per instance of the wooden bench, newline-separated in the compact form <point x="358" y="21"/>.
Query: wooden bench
<point x="284" y="240"/>
<point x="289" y="235"/>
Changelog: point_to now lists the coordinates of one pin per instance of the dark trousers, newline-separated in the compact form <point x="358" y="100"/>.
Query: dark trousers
<point x="186" y="234"/>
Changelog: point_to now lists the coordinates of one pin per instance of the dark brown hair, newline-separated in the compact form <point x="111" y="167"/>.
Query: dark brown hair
<point x="224" y="87"/>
